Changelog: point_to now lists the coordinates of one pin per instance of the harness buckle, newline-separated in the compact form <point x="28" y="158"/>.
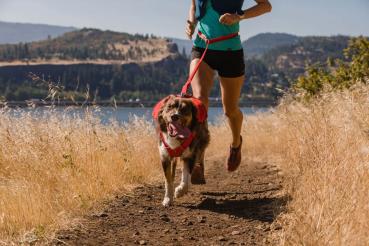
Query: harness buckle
<point x="185" y="95"/>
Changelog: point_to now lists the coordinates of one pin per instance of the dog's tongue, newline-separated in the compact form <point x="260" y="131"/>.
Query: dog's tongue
<point x="177" y="130"/>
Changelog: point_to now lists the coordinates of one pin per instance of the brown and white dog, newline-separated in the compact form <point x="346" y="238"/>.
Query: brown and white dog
<point x="182" y="136"/>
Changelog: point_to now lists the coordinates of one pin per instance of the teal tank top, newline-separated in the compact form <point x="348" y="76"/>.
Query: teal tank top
<point x="210" y="26"/>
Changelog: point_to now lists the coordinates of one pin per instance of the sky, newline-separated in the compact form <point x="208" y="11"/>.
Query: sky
<point x="167" y="17"/>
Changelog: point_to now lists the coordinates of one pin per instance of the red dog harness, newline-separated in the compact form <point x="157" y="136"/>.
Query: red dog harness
<point x="177" y="152"/>
<point x="201" y="115"/>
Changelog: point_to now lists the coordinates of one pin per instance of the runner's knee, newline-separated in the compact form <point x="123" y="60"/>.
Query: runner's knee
<point x="232" y="112"/>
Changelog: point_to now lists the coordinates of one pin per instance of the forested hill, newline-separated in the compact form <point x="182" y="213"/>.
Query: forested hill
<point x="292" y="59"/>
<point x="280" y="66"/>
<point x="88" y="45"/>
<point x="260" y="44"/>
<point x="129" y="67"/>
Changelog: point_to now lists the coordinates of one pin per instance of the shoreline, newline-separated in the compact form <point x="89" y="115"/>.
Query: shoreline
<point x="39" y="103"/>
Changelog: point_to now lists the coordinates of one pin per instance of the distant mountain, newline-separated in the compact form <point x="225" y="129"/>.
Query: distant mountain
<point x="258" y="45"/>
<point x="11" y="33"/>
<point x="88" y="46"/>
<point x="255" y="46"/>
<point x="183" y="45"/>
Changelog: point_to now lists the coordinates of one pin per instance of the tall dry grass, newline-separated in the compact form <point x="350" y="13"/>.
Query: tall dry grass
<point x="323" y="150"/>
<point x="55" y="167"/>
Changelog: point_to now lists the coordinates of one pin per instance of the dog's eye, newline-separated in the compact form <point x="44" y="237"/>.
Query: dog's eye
<point x="184" y="108"/>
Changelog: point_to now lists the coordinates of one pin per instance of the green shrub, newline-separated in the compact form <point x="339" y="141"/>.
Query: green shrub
<point x="338" y="74"/>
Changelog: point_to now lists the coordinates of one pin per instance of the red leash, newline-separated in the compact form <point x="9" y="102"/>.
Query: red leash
<point x="208" y="42"/>
<point x="201" y="110"/>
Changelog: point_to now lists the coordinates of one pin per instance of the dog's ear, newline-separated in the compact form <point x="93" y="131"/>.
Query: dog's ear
<point x="199" y="110"/>
<point x="158" y="113"/>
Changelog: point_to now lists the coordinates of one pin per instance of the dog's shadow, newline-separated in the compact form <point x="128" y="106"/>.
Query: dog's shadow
<point x="262" y="209"/>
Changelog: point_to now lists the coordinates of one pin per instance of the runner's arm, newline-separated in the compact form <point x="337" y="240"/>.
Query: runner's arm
<point x="191" y="21"/>
<point x="262" y="7"/>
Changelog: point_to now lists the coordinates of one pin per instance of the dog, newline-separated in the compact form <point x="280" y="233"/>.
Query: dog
<point x="183" y="135"/>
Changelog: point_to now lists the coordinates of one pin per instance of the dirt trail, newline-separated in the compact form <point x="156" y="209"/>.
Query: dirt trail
<point x="231" y="209"/>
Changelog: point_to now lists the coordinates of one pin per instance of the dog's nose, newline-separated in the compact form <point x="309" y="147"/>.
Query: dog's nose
<point x="175" y="117"/>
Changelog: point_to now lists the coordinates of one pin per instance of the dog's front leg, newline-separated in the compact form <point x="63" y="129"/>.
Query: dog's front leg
<point x="182" y="188"/>
<point x="169" y="182"/>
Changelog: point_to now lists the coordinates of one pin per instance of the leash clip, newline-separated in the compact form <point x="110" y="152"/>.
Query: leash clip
<point x="185" y="95"/>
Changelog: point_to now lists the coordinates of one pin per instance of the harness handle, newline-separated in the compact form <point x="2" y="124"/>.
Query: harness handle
<point x="208" y="42"/>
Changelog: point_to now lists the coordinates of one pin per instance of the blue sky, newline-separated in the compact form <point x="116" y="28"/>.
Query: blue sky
<point x="167" y="17"/>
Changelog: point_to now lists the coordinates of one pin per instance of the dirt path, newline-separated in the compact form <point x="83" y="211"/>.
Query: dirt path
<point x="231" y="209"/>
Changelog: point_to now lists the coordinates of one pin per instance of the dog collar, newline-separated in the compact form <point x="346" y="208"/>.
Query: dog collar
<point x="177" y="152"/>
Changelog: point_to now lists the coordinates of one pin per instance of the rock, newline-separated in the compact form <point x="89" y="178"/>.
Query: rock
<point x="232" y="217"/>
<point x="201" y="219"/>
<point x="142" y="242"/>
<point x="141" y="211"/>
<point x="189" y="223"/>
<point x="166" y="231"/>
<point x="222" y="239"/>
<point x="103" y="215"/>
<point x="235" y="233"/>
<point x="136" y="233"/>
<point x="165" y="219"/>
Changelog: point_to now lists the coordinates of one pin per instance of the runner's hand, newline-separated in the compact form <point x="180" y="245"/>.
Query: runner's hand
<point x="190" y="28"/>
<point x="229" y="19"/>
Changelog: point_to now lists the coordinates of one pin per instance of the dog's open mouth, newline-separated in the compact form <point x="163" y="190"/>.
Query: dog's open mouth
<point x="177" y="130"/>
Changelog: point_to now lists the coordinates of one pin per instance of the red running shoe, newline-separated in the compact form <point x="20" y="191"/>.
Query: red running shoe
<point x="234" y="158"/>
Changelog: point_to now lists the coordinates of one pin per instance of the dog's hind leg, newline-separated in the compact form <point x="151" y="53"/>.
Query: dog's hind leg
<point x="169" y="182"/>
<point x="182" y="188"/>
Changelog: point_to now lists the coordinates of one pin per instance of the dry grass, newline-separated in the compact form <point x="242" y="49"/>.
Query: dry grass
<point x="323" y="150"/>
<point x="56" y="167"/>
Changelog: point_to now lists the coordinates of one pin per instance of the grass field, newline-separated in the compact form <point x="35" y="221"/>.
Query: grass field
<point x="56" y="168"/>
<point x="323" y="151"/>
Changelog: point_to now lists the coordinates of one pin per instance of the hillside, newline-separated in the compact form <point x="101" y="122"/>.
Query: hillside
<point x="87" y="45"/>
<point x="260" y="44"/>
<point x="293" y="59"/>
<point x="13" y="33"/>
<point x="126" y="66"/>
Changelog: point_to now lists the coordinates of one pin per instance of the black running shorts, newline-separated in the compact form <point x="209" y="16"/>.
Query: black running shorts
<point x="229" y="64"/>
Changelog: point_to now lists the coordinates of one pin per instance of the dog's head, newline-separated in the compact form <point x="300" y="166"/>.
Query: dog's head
<point x="177" y="116"/>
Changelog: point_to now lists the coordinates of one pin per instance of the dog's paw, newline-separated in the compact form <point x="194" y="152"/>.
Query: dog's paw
<point x="180" y="191"/>
<point x="167" y="202"/>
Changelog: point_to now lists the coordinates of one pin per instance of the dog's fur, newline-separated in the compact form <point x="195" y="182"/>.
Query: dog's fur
<point x="186" y="112"/>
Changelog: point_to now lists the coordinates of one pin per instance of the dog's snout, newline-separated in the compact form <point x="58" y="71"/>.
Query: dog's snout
<point x="175" y="117"/>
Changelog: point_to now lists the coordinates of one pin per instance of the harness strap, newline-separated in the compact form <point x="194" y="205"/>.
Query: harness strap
<point x="177" y="152"/>
<point x="208" y="42"/>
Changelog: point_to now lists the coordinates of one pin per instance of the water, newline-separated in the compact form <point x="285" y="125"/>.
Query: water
<point x="125" y="114"/>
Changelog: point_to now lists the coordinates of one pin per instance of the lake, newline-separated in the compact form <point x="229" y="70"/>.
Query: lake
<point x="124" y="114"/>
